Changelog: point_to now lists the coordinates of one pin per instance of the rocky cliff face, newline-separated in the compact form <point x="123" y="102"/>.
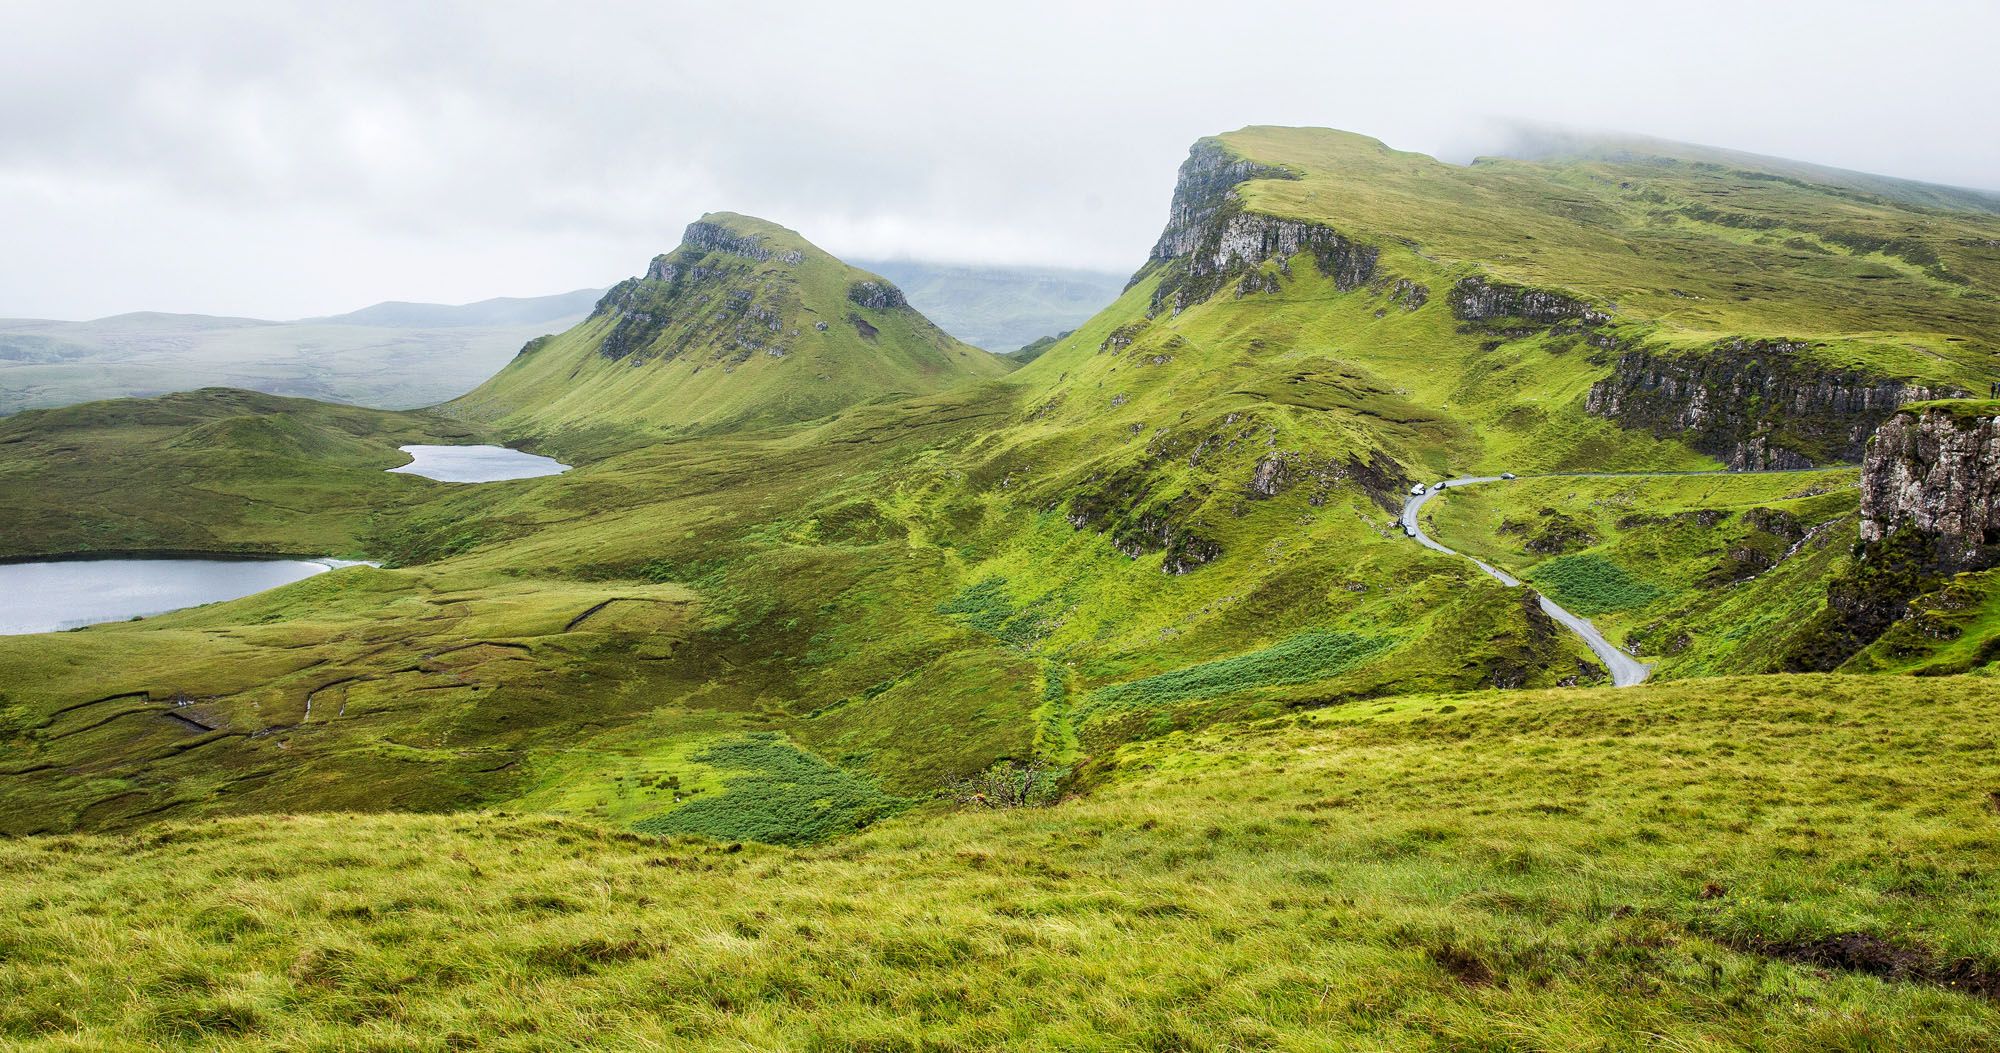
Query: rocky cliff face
<point x="704" y="236"/>
<point x="1207" y="182"/>
<point x="1754" y="404"/>
<point x="1476" y="299"/>
<point x="1930" y="507"/>
<point x="1240" y="240"/>
<point x="1937" y="470"/>
<point x="1210" y="240"/>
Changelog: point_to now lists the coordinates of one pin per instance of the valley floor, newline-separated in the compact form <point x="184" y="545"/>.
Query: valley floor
<point x="1773" y="863"/>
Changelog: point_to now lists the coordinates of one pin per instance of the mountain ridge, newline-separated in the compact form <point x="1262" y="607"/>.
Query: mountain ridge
<point x="1532" y="142"/>
<point x="745" y="323"/>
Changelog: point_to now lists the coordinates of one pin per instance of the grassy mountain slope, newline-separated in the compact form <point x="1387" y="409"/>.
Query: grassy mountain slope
<point x="873" y="588"/>
<point x="1775" y="863"/>
<point x="1698" y="574"/>
<point x="1181" y="513"/>
<point x="826" y="594"/>
<point x="745" y="324"/>
<point x="1691" y="250"/>
<point x="655" y="601"/>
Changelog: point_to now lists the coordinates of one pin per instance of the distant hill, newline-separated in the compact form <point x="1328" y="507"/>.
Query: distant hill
<point x="389" y="356"/>
<point x="746" y="323"/>
<point x="1035" y="349"/>
<point x="1001" y="308"/>
<point x="502" y="310"/>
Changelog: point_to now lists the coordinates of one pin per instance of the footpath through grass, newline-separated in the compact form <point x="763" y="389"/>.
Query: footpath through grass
<point x="1785" y="863"/>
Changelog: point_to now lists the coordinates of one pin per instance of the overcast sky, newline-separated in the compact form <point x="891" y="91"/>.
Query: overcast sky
<point x="281" y="160"/>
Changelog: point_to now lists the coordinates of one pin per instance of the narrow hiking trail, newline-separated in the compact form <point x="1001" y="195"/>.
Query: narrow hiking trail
<point x="1626" y="671"/>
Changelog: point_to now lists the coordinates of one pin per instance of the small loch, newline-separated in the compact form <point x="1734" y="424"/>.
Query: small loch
<point x="477" y="464"/>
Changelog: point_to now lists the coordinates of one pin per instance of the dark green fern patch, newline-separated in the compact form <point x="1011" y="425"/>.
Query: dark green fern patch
<point x="1298" y="660"/>
<point x="781" y="796"/>
<point x="1590" y="585"/>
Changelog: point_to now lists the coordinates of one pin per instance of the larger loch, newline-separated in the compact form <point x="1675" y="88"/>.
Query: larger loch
<point x="53" y="595"/>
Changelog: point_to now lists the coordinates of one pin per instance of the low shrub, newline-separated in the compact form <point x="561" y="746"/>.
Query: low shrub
<point x="1012" y="785"/>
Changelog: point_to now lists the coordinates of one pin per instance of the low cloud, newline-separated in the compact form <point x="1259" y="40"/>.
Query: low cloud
<point x="294" y="159"/>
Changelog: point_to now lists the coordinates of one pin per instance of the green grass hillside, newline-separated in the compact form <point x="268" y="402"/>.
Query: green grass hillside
<point x="1181" y="514"/>
<point x="1689" y="249"/>
<point x="745" y="324"/>
<point x="1774" y="863"/>
<point x="861" y="588"/>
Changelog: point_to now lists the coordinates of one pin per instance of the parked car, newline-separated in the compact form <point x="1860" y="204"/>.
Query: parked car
<point x="1417" y="490"/>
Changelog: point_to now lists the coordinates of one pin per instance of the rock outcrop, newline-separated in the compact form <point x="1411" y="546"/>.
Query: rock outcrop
<point x="1754" y="404"/>
<point x="1236" y="243"/>
<point x="1930" y="508"/>
<point x="1117" y="506"/>
<point x="1476" y="299"/>
<point x="694" y="305"/>
<point x="1245" y="239"/>
<point x="876" y="295"/>
<point x="714" y="237"/>
<point x="1409" y="295"/>
<point x="1936" y="470"/>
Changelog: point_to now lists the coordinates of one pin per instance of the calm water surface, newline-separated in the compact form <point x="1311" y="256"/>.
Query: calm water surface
<point x="477" y="464"/>
<point x="65" y="594"/>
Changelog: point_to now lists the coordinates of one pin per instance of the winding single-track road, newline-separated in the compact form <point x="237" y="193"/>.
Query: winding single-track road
<point x="1626" y="671"/>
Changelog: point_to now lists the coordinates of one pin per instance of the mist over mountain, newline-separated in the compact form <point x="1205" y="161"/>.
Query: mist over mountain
<point x="1001" y="308"/>
<point x="503" y="310"/>
<point x="391" y="355"/>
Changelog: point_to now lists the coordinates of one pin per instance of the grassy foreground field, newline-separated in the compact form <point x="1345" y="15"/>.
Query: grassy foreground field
<point x="1781" y="863"/>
